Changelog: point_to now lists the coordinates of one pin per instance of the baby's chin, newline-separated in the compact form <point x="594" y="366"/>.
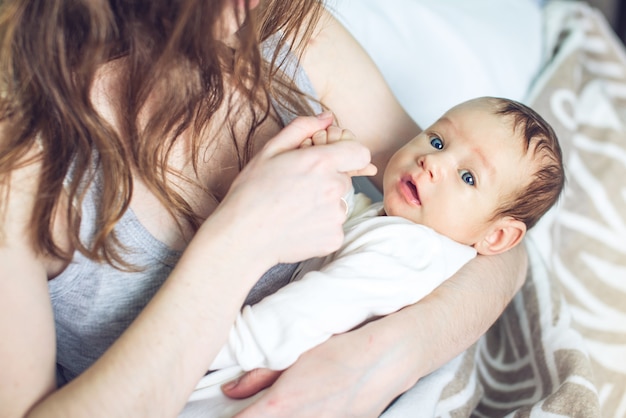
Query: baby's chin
<point x="388" y="209"/>
<point x="392" y="210"/>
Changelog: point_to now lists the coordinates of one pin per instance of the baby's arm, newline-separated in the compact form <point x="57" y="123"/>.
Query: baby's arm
<point x="387" y="263"/>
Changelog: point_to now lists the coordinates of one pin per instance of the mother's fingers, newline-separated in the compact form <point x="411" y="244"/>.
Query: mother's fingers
<point x="292" y="136"/>
<point x="250" y="383"/>
<point x="370" y="170"/>
<point x="343" y="156"/>
<point x="347" y="156"/>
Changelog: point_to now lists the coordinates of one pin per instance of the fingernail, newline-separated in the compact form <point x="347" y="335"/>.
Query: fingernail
<point x="325" y="115"/>
<point x="232" y="384"/>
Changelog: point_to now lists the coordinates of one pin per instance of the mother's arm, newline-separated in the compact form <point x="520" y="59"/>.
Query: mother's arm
<point x="166" y="350"/>
<point x="361" y="372"/>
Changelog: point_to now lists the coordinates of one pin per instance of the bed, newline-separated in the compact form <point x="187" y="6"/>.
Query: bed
<point x="559" y="349"/>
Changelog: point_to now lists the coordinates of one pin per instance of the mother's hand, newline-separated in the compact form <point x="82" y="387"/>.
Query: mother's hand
<point x="287" y="201"/>
<point x="331" y="381"/>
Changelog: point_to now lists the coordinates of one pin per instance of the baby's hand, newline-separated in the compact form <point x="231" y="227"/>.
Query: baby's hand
<point x="336" y="134"/>
<point x="328" y="136"/>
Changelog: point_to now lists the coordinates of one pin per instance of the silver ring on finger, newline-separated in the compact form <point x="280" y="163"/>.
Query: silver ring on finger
<point x="345" y="204"/>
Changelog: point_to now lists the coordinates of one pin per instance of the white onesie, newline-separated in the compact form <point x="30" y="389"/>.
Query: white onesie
<point x="384" y="264"/>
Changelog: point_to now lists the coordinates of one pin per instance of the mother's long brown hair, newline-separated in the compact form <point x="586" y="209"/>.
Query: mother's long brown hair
<point x="50" y="51"/>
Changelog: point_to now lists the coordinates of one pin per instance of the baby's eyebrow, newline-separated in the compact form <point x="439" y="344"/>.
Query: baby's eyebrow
<point x="484" y="161"/>
<point x="446" y="120"/>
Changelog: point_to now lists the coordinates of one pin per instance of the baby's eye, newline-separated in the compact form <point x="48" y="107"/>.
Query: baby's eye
<point x="467" y="177"/>
<point x="436" y="142"/>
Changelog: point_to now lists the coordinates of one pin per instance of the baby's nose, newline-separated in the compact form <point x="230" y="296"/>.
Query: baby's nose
<point x="432" y="165"/>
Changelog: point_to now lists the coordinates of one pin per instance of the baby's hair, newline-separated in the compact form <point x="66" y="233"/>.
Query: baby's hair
<point x="546" y="182"/>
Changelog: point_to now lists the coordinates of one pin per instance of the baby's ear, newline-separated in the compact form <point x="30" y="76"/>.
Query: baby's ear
<point x="503" y="235"/>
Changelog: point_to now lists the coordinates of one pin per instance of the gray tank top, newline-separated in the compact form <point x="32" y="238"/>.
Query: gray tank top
<point x="94" y="303"/>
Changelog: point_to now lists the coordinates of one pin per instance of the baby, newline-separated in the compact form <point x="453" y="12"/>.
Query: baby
<point x="473" y="182"/>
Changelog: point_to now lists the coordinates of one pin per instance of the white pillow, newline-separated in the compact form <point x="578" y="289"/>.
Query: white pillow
<point x="437" y="53"/>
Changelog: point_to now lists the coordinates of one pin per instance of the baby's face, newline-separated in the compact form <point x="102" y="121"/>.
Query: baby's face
<point x="455" y="174"/>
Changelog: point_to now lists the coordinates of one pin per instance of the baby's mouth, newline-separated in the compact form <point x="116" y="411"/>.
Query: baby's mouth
<point x="411" y="188"/>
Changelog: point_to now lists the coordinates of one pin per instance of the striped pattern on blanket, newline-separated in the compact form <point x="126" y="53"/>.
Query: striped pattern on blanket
<point x="585" y="100"/>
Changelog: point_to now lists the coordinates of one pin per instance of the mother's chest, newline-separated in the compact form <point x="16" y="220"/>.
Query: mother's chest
<point x="219" y="160"/>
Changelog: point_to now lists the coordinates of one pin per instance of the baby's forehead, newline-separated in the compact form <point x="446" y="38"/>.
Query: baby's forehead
<point x="485" y="115"/>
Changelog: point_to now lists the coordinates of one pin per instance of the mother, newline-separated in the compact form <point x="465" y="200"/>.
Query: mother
<point x="149" y="181"/>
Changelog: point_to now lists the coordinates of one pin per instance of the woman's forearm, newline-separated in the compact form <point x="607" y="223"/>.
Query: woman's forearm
<point x="458" y="312"/>
<point x="152" y="368"/>
<point x="359" y="373"/>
